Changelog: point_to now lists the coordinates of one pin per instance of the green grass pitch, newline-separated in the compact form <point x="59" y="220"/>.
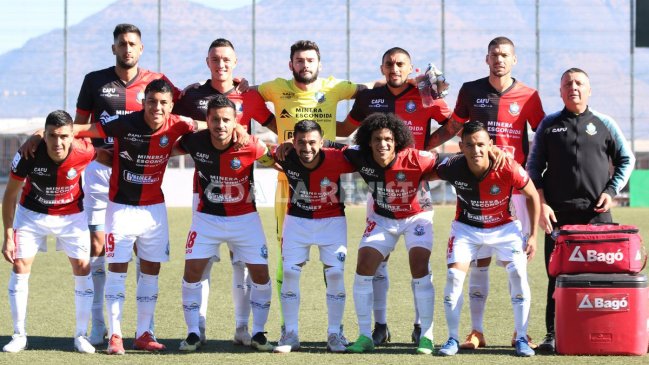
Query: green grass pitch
<point x="50" y="318"/>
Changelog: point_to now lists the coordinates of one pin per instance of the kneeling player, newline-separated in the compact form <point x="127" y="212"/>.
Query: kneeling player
<point x="225" y="212"/>
<point x="315" y="216"/>
<point x="51" y="203"/>
<point x="483" y="219"/>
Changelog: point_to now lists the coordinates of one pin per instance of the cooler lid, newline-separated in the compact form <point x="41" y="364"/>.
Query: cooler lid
<point x="602" y="281"/>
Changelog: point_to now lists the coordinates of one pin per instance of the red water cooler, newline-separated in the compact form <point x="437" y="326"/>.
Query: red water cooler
<point x="602" y="314"/>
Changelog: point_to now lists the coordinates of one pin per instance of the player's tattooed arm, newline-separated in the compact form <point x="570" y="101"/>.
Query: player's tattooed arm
<point x="9" y="201"/>
<point x="445" y="132"/>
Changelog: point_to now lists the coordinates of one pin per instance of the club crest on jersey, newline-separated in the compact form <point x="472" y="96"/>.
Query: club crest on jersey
<point x="514" y="109"/>
<point x="419" y="230"/>
<point x="140" y="96"/>
<point x="401" y="176"/>
<point x="264" y="251"/>
<point x="591" y="129"/>
<point x="239" y="107"/>
<point x="325" y="182"/>
<point x="341" y="256"/>
<point x="72" y="173"/>
<point x="495" y="190"/>
<point x="411" y="106"/>
<point x="235" y="163"/>
<point x="164" y="141"/>
<point x="319" y="96"/>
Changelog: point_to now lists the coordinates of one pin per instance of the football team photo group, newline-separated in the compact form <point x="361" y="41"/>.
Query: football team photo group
<point x="92" y="181"/>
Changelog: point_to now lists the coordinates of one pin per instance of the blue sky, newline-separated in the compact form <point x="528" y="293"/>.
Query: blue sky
<point x="24" y="19"/>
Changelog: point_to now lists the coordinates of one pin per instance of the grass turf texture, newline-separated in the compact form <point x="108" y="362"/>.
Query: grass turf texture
<point x="50" y="318"/>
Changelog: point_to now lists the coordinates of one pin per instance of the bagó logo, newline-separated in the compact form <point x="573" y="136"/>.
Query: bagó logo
<point x="603" y="302"/>
<point x="594" y="256"/>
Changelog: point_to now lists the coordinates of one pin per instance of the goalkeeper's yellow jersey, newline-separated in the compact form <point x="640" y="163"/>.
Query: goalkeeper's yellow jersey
<point x="293" y="104"/>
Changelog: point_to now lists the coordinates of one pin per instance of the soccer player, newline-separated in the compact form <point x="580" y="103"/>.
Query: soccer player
<point x="393" y="172"/>
<point x="50" y="203"/>
<point x="305" y="96"/>
<point x="105" y="95"/>
<point x="136" y="210"/>
<point x="221" y="60"/>
<point x="505" y="106"/>
<point x="315" y="216"/>
<point x="483" y="219"/>
<point x="402" y="99"/>
<point x="225" y="212"/>
<point x="576" y="136"/>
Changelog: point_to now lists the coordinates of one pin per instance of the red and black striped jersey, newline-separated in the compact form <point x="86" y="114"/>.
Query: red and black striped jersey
<point x="394" y="187"/>
<point x="406" y="106"/>
<point x="140" y="156"/>
<point x="50" y="187"/>
<point x="224" y="176"/>
<point x="250" y="105"/>
<point x="483" y="202"/>
<point x="315" y="193"/>
<point x="504" y="114"/>
<point x="104" y="96"/>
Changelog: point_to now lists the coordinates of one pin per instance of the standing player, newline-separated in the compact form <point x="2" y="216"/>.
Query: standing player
<point x="136" y="210"/>
<point x="305" y="96"/>
<point x="225" y="212"/>
<point x="505" y="106"/>
<point x="402" y="99"/>
<point x="482" y="219"/>
<point x="221" y="61"/>
<point x="393" y="172"/>
<point x="51" y="203"/>
<point x="316" y="216"/>
<point x="104" y="96"/>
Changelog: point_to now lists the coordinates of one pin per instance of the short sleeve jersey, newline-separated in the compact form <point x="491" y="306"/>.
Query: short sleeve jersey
<point x="250" y="105"/>
<point x="293" y="104"/>
<point x="140" y="156"/>
<point x="224" y="176"/>
<point x="53" y="188"/>
<point x="315" y="193"/>
<point x="105" y="97"/>
<point x="406" y="106"/>
<point x="504" y="114"/>
<point x="394" y="187"/>
<point x="483" y="202"/>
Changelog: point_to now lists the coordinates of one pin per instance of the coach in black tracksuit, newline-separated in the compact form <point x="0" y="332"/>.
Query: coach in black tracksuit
<point x="569" y="165"/>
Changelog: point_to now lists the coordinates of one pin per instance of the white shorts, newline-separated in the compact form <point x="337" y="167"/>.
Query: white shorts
<point x="127" y="224"/>
<point x="243" y="234"/>
<point x="383" y="233"/>
<point x="96" y="180"/>
<point x="518" y="208"/>
<point x="466" y="242"/>
<point x="32" y="228"/>
<point x="329" y="234"/>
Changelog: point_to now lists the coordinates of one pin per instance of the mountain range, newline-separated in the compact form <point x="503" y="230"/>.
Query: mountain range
<point x="593" y="35"/>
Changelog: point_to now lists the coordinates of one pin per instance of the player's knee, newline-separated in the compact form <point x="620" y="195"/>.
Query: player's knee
<point x="484" y="262"/>
<point x="292" y="274"/>
<point x="516" y="270"/>
<point x="335" y="276"/>
<point x="454" y="283"/>
<point x="381" y="273"/>
<point x="258" y="273"/>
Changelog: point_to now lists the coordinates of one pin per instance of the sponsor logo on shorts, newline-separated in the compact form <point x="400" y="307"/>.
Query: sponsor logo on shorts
<point x="264" y="251"/>
<point x="341" y="256"/>
<point x="603" y="302"/>
<point x="141" y="179"/>
<point x="514" y="109"/>
<point x="72" y="173"/>
<point x="410" y="106"/>
<point x="419" y="230"/>
<point x="319" y="97"/>
<point x="164" y="141"/>
<point x="369" y="227"/>
<point x="235" y="163"/>
<point x="494" y="190"/>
